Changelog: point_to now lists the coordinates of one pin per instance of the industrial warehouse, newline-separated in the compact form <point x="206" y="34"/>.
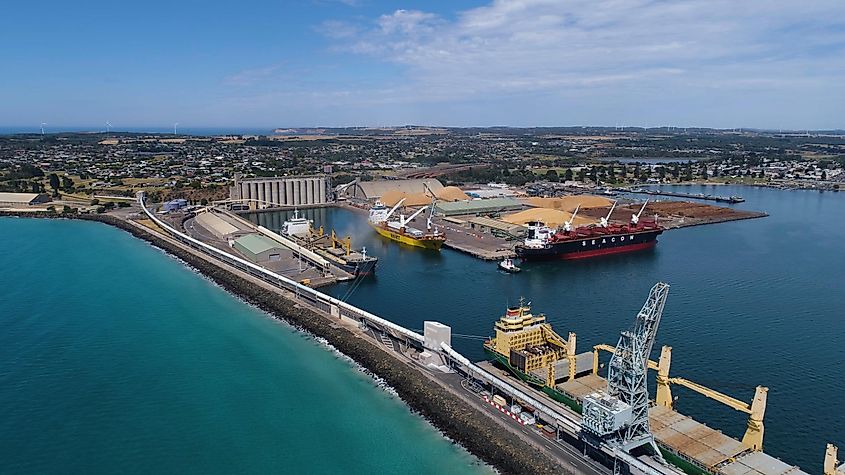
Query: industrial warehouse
<point x="22" y="200"/>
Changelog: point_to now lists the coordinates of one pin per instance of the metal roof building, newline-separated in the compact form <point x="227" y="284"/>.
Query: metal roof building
<point x="370" y="191"/>
<point x="478" y="207"/>
<point x="218" y="226"/>
<point x="258" y="248"/>
<point x="14" y="200"/>
<point x="484" y="224"/>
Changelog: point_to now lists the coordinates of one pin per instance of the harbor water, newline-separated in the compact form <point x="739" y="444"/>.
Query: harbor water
<point x="754" y="302"/>
<point x="115" y="358"/>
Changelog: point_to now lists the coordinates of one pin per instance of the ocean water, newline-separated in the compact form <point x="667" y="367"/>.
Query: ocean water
<point x="115" y="358"/>
<point x="755" y="302"/>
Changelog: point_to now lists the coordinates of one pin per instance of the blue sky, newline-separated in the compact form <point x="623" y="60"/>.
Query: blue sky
<point x="714" y="63"/>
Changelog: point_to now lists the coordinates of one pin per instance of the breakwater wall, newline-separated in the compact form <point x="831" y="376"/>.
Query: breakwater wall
<point x="459" y="421"/>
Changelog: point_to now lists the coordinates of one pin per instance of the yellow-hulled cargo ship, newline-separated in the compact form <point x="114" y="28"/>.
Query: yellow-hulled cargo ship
<point x="399" y="231"/>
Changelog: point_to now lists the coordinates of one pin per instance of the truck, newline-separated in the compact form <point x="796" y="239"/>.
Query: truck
<point x="500" y="400"/>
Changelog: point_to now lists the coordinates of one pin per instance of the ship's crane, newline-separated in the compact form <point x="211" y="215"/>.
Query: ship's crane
<point x="404" y="221"/>
<point x="430" y="215"/>
<point x="605" y="219"/>
<point x="756" y="410"/>
<point x="619" y="417"/>
<point x="635" y="218"/>
<point x="567" y="226"/>
<point x="393" y="210"/>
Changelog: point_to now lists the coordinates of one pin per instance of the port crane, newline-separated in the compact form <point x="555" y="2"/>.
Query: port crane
<point x="635" y="218"/>
<point x="619" y="416"/>
<point x="605" y="219"/>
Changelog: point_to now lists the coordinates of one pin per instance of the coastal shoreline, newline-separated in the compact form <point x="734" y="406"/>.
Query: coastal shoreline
<point x="454" y="418"/>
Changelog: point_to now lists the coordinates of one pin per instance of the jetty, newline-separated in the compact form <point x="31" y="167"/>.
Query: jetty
<point x="696" y="196"/>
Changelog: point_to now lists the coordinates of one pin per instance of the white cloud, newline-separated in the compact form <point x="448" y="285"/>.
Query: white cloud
<point x="520" y="46"/>
<point x="719" y="63"/>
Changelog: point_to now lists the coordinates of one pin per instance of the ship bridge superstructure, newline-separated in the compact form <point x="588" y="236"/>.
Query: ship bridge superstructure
<point x="528" y="343"/>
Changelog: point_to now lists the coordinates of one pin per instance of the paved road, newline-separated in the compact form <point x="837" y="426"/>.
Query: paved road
<point x="565" y="454"/>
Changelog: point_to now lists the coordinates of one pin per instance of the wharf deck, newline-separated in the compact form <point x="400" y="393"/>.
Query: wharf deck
<point x="481" y="245"/>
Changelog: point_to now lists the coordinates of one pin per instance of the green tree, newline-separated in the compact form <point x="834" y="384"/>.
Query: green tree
<point x="551" y="175"/>
<point x="54" y="181"/>
<point x="67" y="183"/>
<point x="567" y="175"/>
<point x="95" y="202"/>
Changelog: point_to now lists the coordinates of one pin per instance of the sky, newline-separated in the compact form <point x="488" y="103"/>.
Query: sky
<point x="772" y="64"/>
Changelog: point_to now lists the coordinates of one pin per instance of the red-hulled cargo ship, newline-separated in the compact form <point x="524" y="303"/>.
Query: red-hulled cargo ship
<point x="593" y="240"/>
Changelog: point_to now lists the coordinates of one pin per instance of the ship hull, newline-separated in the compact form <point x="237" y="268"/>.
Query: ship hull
<point x="433" y="244"/>
<point x="360" y="268"/>
<point x="534" y="381"/>
<point x="593" y="246"/>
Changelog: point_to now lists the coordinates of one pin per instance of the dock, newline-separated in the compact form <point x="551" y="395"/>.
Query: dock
<point x="695" y="196"/>
<point x="682" y="439"/>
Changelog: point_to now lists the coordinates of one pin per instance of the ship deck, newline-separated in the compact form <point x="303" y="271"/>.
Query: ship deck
<point x="692" y="440"/>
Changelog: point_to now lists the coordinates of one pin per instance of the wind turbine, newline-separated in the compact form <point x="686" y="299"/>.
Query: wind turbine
<point x="42" y="127"/>
<point x="174" y="128"/>
<point x="108" y="126"/>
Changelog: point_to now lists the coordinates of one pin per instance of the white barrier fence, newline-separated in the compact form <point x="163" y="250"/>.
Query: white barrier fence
<point x="322" y="301"/>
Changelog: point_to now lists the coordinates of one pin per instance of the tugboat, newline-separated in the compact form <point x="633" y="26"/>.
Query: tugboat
<point x="592" y="240"/>
<point x="507" y="265"/>
<point x="399" y="230"/>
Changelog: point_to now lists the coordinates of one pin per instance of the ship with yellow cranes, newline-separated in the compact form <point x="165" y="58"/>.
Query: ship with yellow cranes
<point x="398" y="229"/>
<point x="528" y="347"/>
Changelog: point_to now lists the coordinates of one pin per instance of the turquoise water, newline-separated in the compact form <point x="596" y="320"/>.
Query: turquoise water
<point x="757" y="302"/>
<point x="116" y="358"/>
